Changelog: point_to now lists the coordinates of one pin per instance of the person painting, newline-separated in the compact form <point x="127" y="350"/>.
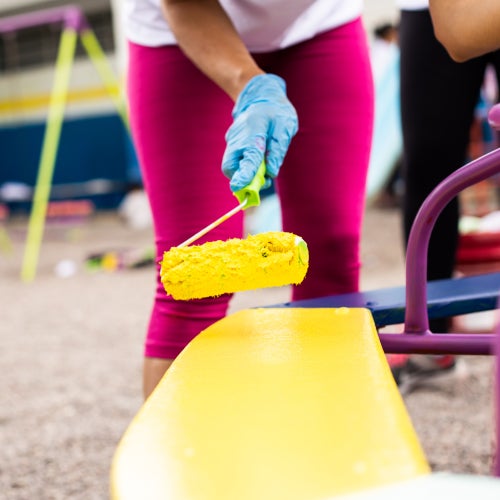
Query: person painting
<point x="223" y="85"/>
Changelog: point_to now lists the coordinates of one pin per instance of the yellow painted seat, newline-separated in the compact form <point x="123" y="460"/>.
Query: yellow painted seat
<point x="281" y="404"/>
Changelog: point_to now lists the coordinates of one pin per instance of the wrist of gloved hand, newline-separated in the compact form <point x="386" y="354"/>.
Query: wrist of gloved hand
<point x="264" y="123"/>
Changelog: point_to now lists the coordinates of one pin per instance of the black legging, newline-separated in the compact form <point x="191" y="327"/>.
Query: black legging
<point x="438" y="97"/>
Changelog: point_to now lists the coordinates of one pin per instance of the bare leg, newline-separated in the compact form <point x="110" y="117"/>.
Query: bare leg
<point x="153" y="371"/>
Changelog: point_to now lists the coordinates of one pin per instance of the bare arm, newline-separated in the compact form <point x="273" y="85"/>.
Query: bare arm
<point x="208" y="38"/>
<point x="467" y="28"/>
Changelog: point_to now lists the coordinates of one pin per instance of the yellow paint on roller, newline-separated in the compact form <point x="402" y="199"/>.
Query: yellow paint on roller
<point x="263" y="260"/>
<point x="272" y="404"/>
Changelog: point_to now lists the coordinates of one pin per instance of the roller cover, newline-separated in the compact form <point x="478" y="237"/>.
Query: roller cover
<point x="263" y="260"/>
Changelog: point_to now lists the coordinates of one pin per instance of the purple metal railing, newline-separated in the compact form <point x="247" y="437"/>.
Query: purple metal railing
<point x="416" y="337"/>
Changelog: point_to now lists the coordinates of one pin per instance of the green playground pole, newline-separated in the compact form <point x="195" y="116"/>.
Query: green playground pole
<point x="100" y="61"/>
<point x="49" y="152"/>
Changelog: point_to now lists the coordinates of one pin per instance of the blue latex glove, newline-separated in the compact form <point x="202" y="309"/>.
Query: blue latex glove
<point x="264" y="123"/>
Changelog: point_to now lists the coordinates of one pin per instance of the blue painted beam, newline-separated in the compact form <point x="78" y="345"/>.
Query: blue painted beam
<point x="451" y="297"/>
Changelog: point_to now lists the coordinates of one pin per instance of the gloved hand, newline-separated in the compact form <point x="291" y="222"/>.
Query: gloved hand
<point x="264" y="123"/>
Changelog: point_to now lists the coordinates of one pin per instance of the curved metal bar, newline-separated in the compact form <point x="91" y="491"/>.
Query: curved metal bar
<point x="416" y="317"/>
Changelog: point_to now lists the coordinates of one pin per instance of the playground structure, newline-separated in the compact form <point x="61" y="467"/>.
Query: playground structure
<point x="74" y="27"/>
<point x="297" y="401"/>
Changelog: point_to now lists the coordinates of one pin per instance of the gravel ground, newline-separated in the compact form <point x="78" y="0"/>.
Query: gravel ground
<point x="70" y="361"/>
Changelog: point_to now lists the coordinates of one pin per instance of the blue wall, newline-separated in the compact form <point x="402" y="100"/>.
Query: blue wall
<point x="89" y="148"/>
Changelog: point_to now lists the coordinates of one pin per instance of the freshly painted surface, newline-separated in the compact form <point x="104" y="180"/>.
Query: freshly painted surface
<point x="272" y="404"/>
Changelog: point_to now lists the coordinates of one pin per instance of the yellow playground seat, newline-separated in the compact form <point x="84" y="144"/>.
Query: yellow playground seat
<point x="272" y="404"/>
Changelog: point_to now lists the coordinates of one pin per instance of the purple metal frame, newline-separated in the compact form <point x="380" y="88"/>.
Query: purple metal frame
<point x="70" y="15"/>
<point x="416" y="337"/>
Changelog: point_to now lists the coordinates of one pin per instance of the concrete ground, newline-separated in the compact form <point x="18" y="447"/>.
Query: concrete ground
<point x="70" y="359"/>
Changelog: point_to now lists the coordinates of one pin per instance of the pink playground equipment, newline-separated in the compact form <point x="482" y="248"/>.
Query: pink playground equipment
<point x="297" y="402"/>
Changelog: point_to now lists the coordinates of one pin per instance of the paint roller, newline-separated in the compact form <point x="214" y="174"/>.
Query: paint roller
<point x="262" y="260"/>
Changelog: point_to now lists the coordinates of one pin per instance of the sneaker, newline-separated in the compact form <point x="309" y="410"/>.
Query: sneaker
<point x="426" y="370"/>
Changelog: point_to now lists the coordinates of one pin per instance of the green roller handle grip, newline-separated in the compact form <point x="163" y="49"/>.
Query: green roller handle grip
<point x="250" y="193"/>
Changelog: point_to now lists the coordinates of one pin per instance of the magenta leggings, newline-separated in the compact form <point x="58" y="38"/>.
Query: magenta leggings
<point x="179" y="119"/>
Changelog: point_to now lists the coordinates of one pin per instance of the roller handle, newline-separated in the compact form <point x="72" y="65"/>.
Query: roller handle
<point x="248" y="197"/>
<point x="250" y="193"/>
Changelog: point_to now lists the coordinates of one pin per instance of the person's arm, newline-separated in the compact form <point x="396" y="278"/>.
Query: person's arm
<point x="466" y="28"/>
<point x="208" y="38"/>
<point x="264" y="119"/>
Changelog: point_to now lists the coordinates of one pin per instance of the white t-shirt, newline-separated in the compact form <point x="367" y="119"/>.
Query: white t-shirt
<point x="413" y="4"/>
<point x="292" y="21"/>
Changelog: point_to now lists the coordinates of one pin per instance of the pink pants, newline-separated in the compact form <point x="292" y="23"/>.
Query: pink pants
<point x="179" y="119"/>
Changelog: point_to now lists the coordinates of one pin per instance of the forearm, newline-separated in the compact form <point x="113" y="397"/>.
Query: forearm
<point x="208" y="38"/>
<point x="467" y="28"/>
